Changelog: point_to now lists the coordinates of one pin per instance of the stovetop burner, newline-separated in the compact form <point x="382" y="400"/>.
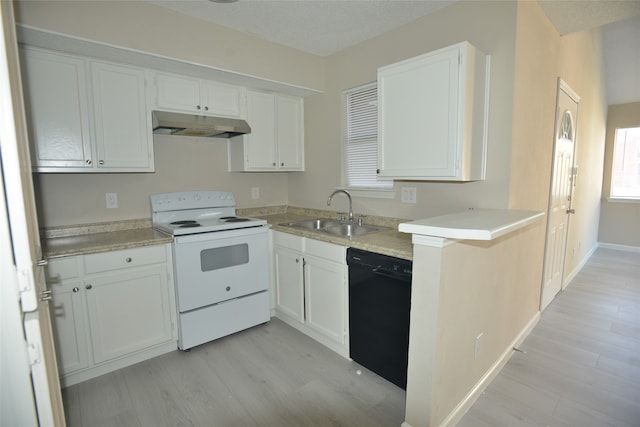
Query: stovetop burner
<point x="184" y="222"/>
<point x="197" y="212"/>
<point x="236" y="219"/>
<point x="189" y="225"/>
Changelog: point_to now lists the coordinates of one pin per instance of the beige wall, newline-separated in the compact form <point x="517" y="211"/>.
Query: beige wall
<point x="618" y="220"/>
<point x="490" y="26"/>
<point x="181" y="163"/>
<point x="500" y="307"/>
<point x="145" y="27"/>
<point x="497" y="293"/>
<point x="534" y="94"/>
<point x="582" y="67"/>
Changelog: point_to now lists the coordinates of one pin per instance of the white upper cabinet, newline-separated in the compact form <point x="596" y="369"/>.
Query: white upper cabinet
<point x="122" y="121"/>
<point x="192" y="95"/>
<point x="86" y="116"/>
<point x="433" y="116"/>
<point x="276" y="141"/>
<point x="57" y="103"/>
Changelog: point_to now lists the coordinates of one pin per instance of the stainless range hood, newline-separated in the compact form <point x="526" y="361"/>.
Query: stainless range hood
<point x="165" y="123"/>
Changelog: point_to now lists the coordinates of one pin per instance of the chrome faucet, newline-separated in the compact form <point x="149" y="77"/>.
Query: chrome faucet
<point x="346" y="193"/>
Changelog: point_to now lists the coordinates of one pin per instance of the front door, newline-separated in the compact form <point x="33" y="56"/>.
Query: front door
<point x="562" y="181"/>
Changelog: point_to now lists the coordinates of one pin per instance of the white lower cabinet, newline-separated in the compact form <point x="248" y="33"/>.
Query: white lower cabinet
<point x="311" y="288"/>
<point x="111" y="310"/>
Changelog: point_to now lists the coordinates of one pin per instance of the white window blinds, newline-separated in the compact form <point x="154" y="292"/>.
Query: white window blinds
<point x="360" y="140"/>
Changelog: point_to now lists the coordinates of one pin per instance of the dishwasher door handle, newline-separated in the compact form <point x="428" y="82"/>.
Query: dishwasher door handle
<point x="392" y="274"/>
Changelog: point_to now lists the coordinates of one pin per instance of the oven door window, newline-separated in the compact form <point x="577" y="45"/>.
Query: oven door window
<point x="226" y="256"/>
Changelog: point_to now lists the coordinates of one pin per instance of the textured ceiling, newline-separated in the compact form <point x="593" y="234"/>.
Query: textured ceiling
<point x="320" y="27"/>
<point x="569" y="16"/>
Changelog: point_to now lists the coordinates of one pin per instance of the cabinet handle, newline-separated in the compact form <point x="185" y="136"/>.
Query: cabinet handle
<point x="128" y="259"/>
<point x="42" y="262"/>
<point x="101" y="162"/>
<point x="88" y="161"/>
<point x="228" y="288"/>
<point x="89" y="286"/>
<point x="297" y="260"/>
<point x="198" y="107"/>
<point x="206" y="108"/>
<point x="274" y="163"/>
<point x="76" y="289"/>
<point x="282" y="164"/>
<point x="571" y="211"/>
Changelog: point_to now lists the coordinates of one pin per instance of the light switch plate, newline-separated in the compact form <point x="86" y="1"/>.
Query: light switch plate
<point x="408" y="194"/>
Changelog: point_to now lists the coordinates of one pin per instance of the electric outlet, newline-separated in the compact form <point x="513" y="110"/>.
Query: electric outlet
<point x="408" y="194"/>
<point x="255" y="193"/>
<point x="476" y="349"/>
<point x="112" y="200"/>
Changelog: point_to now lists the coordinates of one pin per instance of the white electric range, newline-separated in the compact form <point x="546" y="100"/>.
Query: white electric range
<point x="220" y="264"/>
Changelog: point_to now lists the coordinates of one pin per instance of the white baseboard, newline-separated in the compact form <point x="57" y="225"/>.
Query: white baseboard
<point x="626" y="248"/>
<point x="574" y="273"/>
<point x="461" y="409"/>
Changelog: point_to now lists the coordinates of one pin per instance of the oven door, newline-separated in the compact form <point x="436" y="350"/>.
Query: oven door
<point x="219" y="266"/>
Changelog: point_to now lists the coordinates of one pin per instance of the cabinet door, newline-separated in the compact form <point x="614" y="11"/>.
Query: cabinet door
<point x="418" y="103"/>
<point x="290" y="133"/>
<point x="220" y="99"/>
<point x="178" y="93"/>
<point x="128" y="311"/>
<point x="69" y="327"/>
<point x="289" y="283"/>
<point x="123" y="127"/>
<point x="261" y="142"/>
<point x="325" y="295"/>
<point x="56" y="102"/>
<point x="68" y="316"/>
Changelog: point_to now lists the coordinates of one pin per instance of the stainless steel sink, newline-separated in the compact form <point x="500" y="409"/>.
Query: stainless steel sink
<point x="351" y="229"/>
<point x="335" y="227"/>
<point x="313" y="224"/>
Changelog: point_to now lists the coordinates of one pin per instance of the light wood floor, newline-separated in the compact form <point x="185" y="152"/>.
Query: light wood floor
<point x="270" y="375"/>
<point x="582" y="362"/>
<point x="581" y="368"/>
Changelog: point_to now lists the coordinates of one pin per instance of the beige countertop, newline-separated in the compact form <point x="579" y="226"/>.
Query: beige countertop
<point x="475" y="224"/>
<point x="389" y="242"/>
<point x="102" y="237"/>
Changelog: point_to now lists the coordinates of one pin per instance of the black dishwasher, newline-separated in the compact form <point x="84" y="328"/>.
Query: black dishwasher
<point x="379" y="306"/>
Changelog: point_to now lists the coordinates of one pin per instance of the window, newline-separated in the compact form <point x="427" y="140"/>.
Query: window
<point x="360" y="139"/>
<point x="625" y="171"/>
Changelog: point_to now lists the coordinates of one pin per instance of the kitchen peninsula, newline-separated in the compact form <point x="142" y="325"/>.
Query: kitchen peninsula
<point x="469" y="276"/>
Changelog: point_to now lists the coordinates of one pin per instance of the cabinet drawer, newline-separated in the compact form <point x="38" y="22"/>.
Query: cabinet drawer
<point x="125" y="258"/>
<point x="60" y="269"/>
<point x="287" y="240"/>
<point x="326" y="250"/>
